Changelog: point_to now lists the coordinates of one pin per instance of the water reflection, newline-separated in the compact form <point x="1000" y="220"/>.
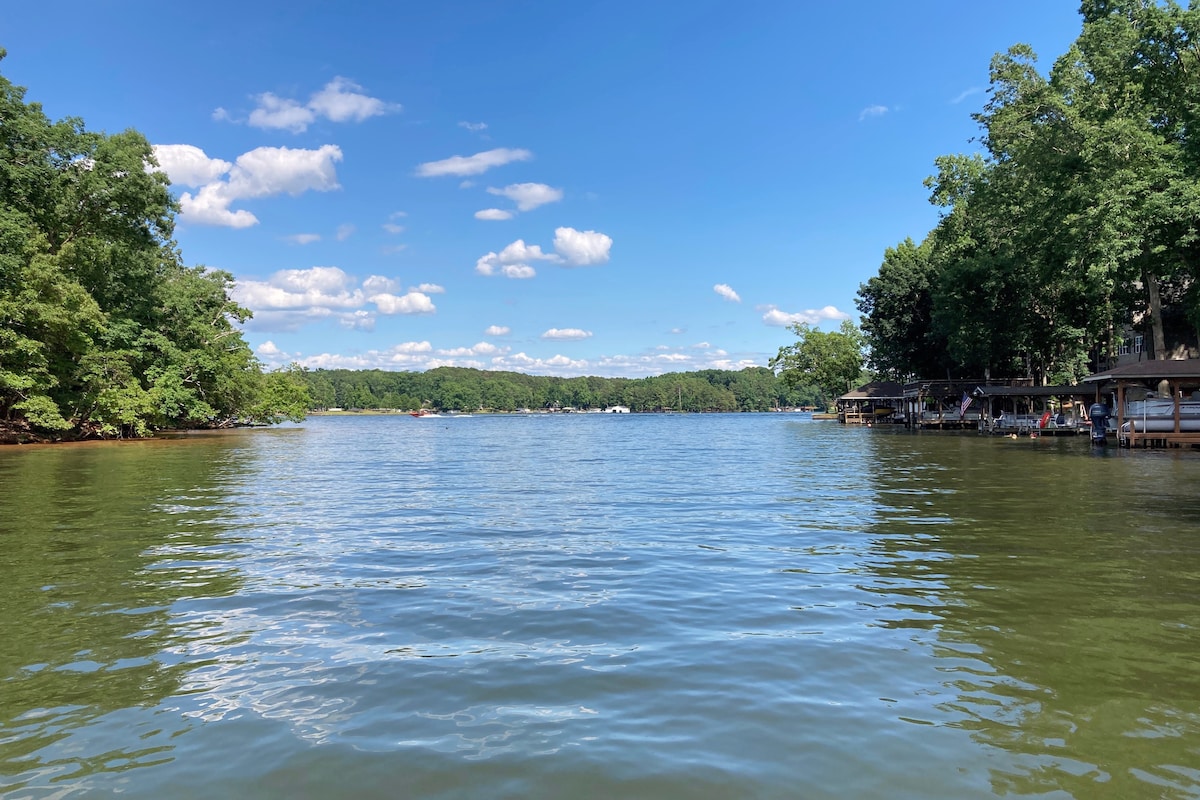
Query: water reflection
<point x="1059" y="590"/>
<point x="99" y="543"/>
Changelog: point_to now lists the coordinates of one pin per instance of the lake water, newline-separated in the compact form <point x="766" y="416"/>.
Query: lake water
<point x="683" y="606"/>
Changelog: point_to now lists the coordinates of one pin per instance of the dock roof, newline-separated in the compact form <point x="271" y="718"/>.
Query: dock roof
<point x="880" y="390"/>
<point x="1149" y="370"/>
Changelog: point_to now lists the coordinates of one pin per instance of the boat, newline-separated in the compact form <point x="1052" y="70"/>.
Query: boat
<point x="423" y="413"/>
<point x="1157" y="415"/>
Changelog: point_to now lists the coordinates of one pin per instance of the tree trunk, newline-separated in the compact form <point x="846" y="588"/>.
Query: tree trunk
<point x="1156" y="324"/>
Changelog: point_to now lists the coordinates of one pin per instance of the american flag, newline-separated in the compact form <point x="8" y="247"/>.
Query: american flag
<point x="966" y="401"/>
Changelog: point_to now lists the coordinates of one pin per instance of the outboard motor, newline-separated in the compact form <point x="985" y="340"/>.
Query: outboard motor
<point x="1099" y="413"/>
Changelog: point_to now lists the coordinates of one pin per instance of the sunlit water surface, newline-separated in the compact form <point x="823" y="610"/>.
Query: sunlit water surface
<point x="682" y="606"/>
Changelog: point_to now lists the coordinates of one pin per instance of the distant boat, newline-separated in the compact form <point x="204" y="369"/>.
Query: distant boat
<point x="617" y="410"/>
<point x="423" y="413"/>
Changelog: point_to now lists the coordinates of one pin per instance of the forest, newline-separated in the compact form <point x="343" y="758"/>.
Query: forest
<point x="1077" y="226"/>
<point x="464" y="389"/>
<point x="104" y="330"/>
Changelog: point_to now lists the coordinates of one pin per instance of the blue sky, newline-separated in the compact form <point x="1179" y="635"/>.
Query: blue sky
<point x="561" y="188"/>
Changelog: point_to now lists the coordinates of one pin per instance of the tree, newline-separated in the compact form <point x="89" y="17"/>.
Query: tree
<point x="832" y="360"/>
<point x="103" y="329"/>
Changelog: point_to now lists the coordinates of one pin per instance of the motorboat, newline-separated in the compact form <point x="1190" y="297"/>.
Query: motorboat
<point x="1157" y="415"/>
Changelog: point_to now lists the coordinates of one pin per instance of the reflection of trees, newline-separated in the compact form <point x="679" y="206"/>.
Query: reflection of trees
<point x="1061" y="587"/>
<point x="94" y="541"/>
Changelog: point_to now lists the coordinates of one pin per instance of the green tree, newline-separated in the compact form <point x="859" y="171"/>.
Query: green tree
<point x="831" y="360"/>
<point x="103" y="329"/>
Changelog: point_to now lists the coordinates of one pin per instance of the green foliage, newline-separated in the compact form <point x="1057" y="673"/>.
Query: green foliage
<point x="1082" y="216"/>
<point x="462" y="389"/>
<point x="830" y="360"/>
<point x="103" y="330"/>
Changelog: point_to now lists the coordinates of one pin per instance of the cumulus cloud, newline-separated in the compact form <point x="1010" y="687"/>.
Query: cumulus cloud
<point x="726" y="291"/>
<point x="480" y="349"/>
<point x="429" y="288"/>
<point x="774" y="316"/>
<point x="872" y="111"/>
<point x="292" y="298"/>
<point x="528" y="196"/>
<point x="341" y="100"/>
<point x="493" y="214"/>
<point x="187" y="164"/>
<point x="411" y="303"/>
<point x="511" y="262"/>
<point x="574" y="249"/>
<point x="567" y="334"/>
<point x="262" y="172"/>
<point x="582" y="248"/>
<point x="279" y="112"/>
<point x="378" y="284"/>
<point x="472" y="165"/>
<point x="497" y="330"/>
<point x="322" y="287"/>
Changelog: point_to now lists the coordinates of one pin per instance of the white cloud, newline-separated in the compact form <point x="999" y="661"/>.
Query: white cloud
<point x="378" y="284"/>
<point x="357" y="320"/>
<point x="187" y="164"/>
<point x="480" y="349"/>
<point x="268" y="348"/>
<point x="292" y="298"/>
<point x="302" y="238"/>
<point x="279" y="112"/>
<point x="528" y="196"/>
<point x="519" y="251"/>
<point x="393" y="249"/>
<point x="317" y="287"/>
<point x="493" y="214"/>
<point x="341" y="100"/>
<point x="261" y="172"/>
<point x="575" y="248"/>
<point x="344" y="231"/>
<point x="411" y="303"/>
<point x="473" y="127"/>
<point x="392" y="227"/>
<point x="872" y="111"/>
<point x="567" y="334"/>
<point x="497" y="330"/>
<point x="472" y="165"/>
<point x="429" y="288"/>
<point x="774" y="316"/>
<point x="518" y="271"/>
<point x="726" y="291"/>
<point x="510" y="262"/>
<point x="221" y="115"/>
<point x="582" y="248"/>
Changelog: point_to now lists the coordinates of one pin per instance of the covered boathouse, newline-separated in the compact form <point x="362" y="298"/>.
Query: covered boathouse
<point x="1157" y="402"/>
<point x="872" y="403"/>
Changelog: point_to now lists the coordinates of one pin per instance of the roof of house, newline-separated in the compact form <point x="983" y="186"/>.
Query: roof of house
<point x="1149" y="370"/>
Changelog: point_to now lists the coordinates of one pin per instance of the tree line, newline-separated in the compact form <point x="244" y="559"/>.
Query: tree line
<point x="1078" y="223"/>
<point x="104" y="330"/>
<point x="466" y="389"/>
